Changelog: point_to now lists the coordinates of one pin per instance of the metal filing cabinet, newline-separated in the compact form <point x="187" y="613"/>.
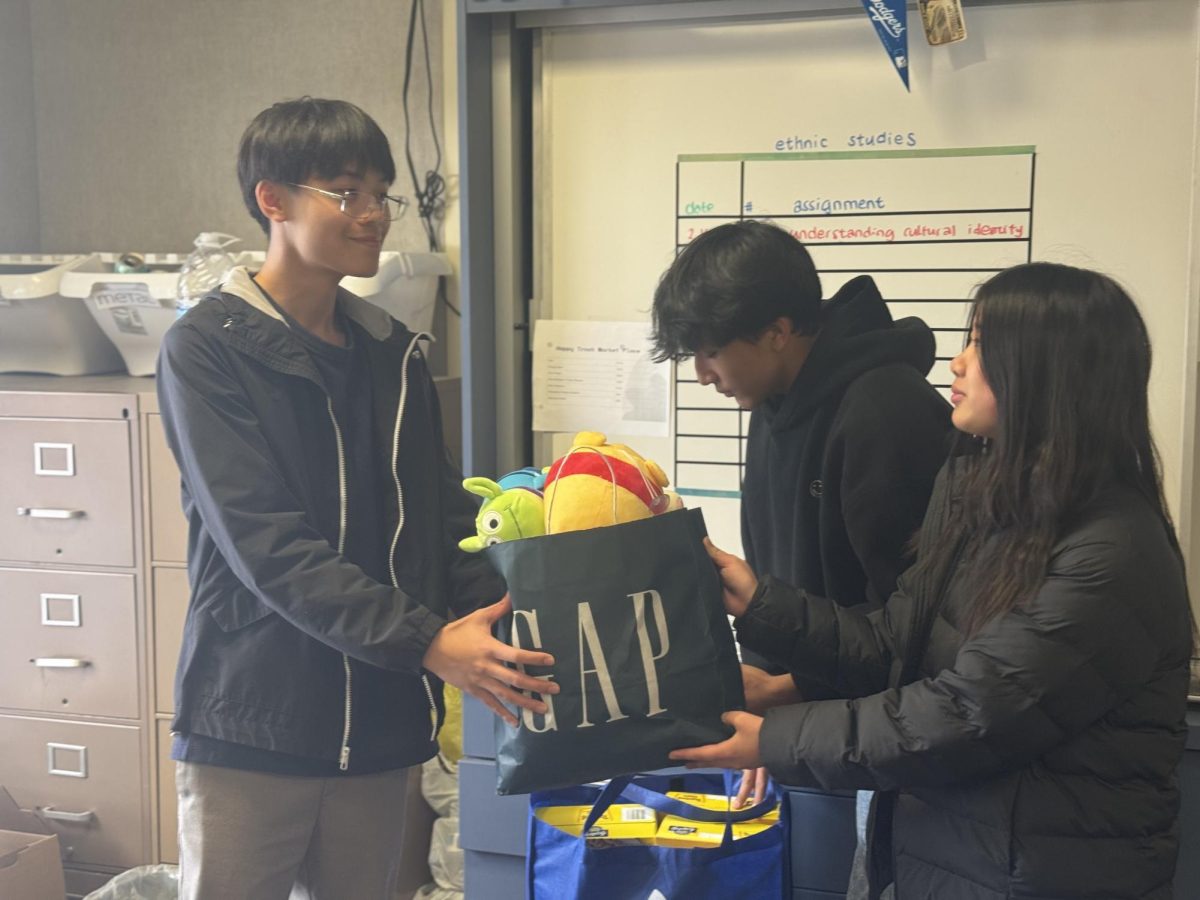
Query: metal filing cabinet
<point x="167" y="600"/>
<point x="93" y="594"/>
<point x="75" y="740"/>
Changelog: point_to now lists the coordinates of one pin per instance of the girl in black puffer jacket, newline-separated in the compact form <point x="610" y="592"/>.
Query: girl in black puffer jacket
<point x="1021" y="699"/>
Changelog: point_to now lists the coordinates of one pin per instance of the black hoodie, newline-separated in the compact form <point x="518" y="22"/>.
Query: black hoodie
<point x="839" y="470"/>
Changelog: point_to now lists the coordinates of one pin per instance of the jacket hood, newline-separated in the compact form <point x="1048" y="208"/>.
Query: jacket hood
<point x="857" y="334"/>
<point x="377" y="322"/>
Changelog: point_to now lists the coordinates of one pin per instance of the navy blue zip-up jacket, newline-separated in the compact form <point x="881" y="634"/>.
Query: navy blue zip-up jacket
<point x="286" y="643"/>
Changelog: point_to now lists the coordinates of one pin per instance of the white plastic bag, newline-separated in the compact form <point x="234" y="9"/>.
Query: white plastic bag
<point x="142" y="883"/>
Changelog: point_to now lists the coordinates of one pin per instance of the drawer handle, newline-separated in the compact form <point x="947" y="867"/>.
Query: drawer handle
<point x="60" y="662"/>
<point x="36" y="513"/>
<point x="61" y="815"/>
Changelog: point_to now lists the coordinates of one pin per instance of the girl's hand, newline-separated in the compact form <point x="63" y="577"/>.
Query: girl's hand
<point x="738" y="752"/>
<point x="753" y="788"/>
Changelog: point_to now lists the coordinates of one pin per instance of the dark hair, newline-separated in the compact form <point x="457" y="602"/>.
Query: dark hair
<point x="1067" y="355"/>
<point x="296" y="139"/>
<point x="732" y="282"/>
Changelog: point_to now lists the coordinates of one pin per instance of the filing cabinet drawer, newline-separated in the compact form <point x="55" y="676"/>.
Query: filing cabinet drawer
<point x="81" y="882"/>
<point x="168" y="526"/>
<point x="171" y="594"/>
<point x="69" y="643"/>
<point x="168" y="805"/>
<point x="66" y="491"/>
<point x="86" y="781"/>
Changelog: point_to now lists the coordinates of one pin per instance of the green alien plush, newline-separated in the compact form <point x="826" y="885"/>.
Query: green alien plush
<point x="505" y="516"/>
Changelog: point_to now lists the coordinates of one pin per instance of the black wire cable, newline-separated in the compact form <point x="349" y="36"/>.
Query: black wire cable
<point x="431" y="193"/>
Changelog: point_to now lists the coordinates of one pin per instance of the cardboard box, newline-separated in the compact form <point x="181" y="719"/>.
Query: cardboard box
<point x="718" y="802"/>
<point x="30" y="864"/>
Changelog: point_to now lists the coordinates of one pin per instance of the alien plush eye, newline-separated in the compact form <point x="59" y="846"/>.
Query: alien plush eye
<point x="490" y="522"/>
<point x="490" y="540"/>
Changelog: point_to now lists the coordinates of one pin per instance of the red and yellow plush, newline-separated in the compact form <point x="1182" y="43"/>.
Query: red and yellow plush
<point x="596" y="484"/>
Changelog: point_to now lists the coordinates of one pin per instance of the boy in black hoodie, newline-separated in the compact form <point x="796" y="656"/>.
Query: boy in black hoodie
<point x="846" y="434"/>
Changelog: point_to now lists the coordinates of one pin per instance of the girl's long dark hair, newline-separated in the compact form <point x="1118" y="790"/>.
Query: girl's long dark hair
<point x="1067" y="355"/>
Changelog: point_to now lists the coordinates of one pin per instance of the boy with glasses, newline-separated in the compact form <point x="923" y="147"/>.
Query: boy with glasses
<point x="324" y="514"/>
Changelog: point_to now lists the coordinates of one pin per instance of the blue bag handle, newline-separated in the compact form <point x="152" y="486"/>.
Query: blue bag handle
<point x="623" y="788"/>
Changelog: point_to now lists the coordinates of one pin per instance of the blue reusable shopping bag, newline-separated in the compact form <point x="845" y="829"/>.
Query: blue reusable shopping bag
<point x="561" y="866"/>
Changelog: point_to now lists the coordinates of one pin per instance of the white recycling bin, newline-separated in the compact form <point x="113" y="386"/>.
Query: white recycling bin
<point x="134" y="309"/>
<point x="405" y="285"/>
<point x="41" y="330"/>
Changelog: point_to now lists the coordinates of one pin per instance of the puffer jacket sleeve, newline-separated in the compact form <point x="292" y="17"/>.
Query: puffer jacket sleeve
<point x="1026" y="682"/>
<point x="259" y="525"/>
<point x="840" y="651"/>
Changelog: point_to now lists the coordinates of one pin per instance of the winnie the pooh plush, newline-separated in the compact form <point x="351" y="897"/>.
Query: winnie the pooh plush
<point x="597" y="483"/>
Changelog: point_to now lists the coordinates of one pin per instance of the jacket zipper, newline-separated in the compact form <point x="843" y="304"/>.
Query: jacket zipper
<point x="400" y="519"/>
<point x="344" y="756"/>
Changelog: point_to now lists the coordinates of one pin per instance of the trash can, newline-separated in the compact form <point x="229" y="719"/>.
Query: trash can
<point x="43" y="331"/>
<point x="134" y="309"/>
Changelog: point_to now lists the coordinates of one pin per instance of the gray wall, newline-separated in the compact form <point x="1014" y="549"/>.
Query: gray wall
<point x="18" y="138"/>
<point x="140" y="104"/>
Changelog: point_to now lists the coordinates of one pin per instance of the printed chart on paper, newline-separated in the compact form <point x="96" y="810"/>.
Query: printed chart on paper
<point x="928" y="225"/>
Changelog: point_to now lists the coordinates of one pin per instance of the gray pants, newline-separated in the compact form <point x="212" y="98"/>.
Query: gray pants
<point x="858" y="889"/>
<point x="255" y="836"/>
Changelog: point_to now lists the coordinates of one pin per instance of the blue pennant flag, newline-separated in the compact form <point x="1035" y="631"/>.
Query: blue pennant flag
<point x="890" y="18"/>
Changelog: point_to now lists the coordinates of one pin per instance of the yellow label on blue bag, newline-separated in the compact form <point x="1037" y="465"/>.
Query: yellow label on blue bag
<point x="620" y="822"/>
<point x="679" y="832"/>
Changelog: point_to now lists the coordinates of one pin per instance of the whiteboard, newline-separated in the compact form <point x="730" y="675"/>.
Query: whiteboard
<point x="927" y="225"/>
<point x="1103" y="91"/>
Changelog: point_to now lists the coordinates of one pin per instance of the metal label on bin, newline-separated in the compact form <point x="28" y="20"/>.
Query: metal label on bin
<point x="111" y="295"/>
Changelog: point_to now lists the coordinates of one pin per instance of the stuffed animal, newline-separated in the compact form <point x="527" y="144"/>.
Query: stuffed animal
<point x="597" y="483"/>
<point x="506" y="515"/>
<point x="528" y="477"/>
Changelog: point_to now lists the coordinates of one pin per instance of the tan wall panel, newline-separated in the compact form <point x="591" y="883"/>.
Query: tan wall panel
<point x="140" y="105"/>
<point x="18" y="138"/>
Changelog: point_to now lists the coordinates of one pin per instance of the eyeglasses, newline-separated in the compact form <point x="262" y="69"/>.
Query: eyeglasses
<point x="362" y="205"/>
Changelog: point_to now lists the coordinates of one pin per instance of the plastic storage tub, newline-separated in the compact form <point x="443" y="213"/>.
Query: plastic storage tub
<point x="405" y="285"/>
<point x="134" y="309"/>
<point x="41" y="330"/>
